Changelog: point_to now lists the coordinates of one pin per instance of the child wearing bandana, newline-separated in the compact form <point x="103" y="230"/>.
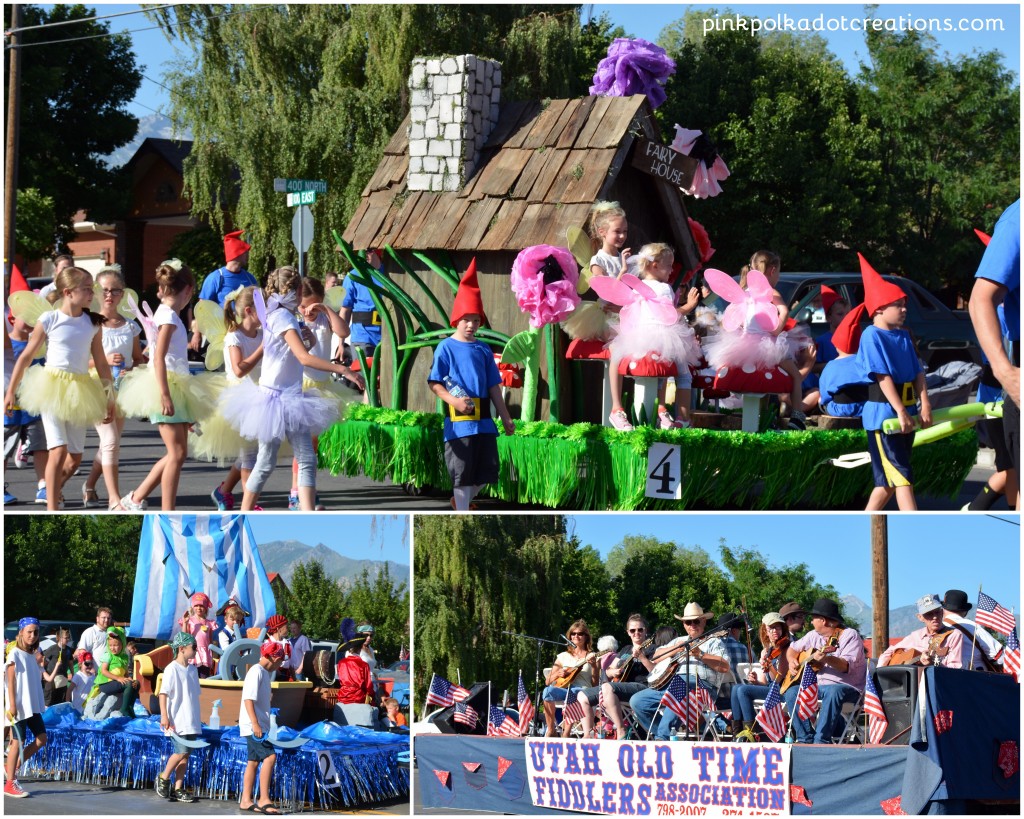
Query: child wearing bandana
<point x="23" y="702"/>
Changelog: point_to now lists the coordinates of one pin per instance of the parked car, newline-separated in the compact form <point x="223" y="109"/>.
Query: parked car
<point x="942" y="334"/>
<point x="38" y="282"/>
<point x="48" y="628"/>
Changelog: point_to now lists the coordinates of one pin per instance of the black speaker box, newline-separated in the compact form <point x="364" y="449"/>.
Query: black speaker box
<point x="897" y="687"/>
<point x="478" y="701"/>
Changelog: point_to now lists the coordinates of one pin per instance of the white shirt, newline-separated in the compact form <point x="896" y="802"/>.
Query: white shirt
<point x="281" y="369"/>
<point x="68" y="341"/>
<point x="613" y="264"/>
<point x="321" y="329"/>
<point x="703" y="672"/>
<point x="176" y="358"/>
<point x="299" y="645"/>
<point x="28" y="686"/>
<point x="83" y="685"/>
<point x="121" y="340"/>
<point x="248" y="346"/>
<point x="94" y="640"/>
<point x="983" y="641"/>
<point x="257" y="688"/>
<point x="181" y="685"/>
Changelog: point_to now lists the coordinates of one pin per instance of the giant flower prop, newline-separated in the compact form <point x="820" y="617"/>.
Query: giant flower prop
<point x="633" y="67"/>
<point x="544" y="282"/>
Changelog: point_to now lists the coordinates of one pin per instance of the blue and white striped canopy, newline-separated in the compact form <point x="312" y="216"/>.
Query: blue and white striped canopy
<point x="183" y="554"/>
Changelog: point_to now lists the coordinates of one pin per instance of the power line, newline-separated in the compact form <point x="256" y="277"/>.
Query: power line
<point x="1004" y="520"/>
<point x="81" y="20"/>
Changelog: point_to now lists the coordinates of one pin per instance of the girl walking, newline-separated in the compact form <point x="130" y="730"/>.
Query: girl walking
<point x="23" y="703"/>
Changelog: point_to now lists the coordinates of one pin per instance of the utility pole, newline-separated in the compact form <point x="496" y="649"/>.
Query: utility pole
<point x="879" y="584"/>
<point x="13" y="130"/>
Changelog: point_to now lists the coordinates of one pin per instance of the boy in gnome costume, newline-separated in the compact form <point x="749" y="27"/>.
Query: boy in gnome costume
<point x="887" y="356"/>
<point x="466" y="378"/>
<point x="843" y="387"/>
<point x="226" y="279"/>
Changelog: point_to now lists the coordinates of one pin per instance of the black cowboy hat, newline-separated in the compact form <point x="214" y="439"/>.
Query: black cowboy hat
<point x="829" y="609"/>
<point x="730" y="620"/>
<point x="956" y="600"/>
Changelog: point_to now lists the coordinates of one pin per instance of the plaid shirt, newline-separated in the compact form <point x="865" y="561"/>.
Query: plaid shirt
<point x="735" y="652"/>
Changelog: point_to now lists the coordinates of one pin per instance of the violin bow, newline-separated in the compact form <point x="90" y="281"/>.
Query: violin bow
<point x="746" y="627"/>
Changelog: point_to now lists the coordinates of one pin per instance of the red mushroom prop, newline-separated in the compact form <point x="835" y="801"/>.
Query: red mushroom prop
<point x="752" y="385"/>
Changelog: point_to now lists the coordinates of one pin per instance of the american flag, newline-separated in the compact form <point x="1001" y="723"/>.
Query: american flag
<point x="466" y="714"/>
<point x="573" y="711"/>
<point x="526" y="709"/>
<point x="991" y="614"/>
<point x="770" y="717"/>
<point x="877" y="721"/>
<point x="501" y="724"/>
<point x="444" y="693"/>
<point x="1011" y="655"/>
<point x="685" y="704"/>
<point x="807" y="699"/>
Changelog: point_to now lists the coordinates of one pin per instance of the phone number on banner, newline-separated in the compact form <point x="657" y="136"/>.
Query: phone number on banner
<point x="659" y="778"/>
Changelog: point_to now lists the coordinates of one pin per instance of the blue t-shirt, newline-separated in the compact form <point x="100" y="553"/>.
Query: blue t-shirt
<point x="358" y="300"/>
<point x="886" y="352"/>
<point x="826" y="349"/>
<point x="471" y="366"/>
<point x="221" y="281"/>
<point x="1001" y="264"/>
<point x="838" y="374"/>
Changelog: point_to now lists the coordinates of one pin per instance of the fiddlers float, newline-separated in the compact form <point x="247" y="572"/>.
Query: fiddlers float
<point x="321" y="764"/>
<point x="525" y="176"/>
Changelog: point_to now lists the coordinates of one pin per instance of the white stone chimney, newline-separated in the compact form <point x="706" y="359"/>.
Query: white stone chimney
<point x="454" y="106"/>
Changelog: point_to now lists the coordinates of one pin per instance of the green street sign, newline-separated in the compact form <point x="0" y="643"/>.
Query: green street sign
<point x="303" y="198"/>
<point x="282" y="185"/>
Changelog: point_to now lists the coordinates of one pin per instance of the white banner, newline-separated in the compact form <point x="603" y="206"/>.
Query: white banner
<point x="659" y="778"/>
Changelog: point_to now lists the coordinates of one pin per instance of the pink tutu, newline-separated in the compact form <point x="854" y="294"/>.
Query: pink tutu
<point x="673" y="342"/>
<point x="747" y="350"/>
<point x="265" y="414"/>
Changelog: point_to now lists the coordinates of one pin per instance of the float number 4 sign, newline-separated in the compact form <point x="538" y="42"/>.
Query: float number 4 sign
<point x="664" y="472"/>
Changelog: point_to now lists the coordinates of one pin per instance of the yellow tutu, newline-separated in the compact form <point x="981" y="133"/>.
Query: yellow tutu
<point x="336" y="390"/>
<point x="194" y="396"/>
<point x="217" y="442"/>
<point x="76" y="398"/>
<point x="588" y="321"/>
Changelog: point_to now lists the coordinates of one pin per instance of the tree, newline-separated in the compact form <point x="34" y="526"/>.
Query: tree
<point x="74" y="93"/>
<point x="36" y="217"/>
<point x="316" y="91"/>
<point x="316" y="600"/>
<point x="379" y="602"/>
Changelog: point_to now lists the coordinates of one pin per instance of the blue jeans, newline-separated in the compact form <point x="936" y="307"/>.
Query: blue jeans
<point x="743" y="697"/>
<point x="552" y="693"/>
<point x="830" y="712"/>
<point x="645" y="705"/>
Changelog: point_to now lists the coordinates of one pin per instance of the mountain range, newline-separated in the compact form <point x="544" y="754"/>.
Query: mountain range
<point x="283" y="556"/>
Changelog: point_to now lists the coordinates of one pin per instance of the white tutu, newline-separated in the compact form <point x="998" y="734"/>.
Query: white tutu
<point x="747" y="350"/>
<point x="265" y="414"/>
<point x="675" y="342"/>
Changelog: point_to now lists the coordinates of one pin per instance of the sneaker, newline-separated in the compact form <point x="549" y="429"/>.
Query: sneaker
<point x="8" y="497"/>
<point x="257" y="508"/>
<point x="41" y="495"/>
<point x="225" y="500"/>
<point x="90" y="498"/>
<point x="620" y="421"/>
<point x="20" y="458"/>
<point x="182" y="795"/>
<point x="163" y="787"/>
<point x="12" y="788"/>
<point x="293" y="502"/>
<point x="666" y="421"/>
<point x="797" y="420"/>
<point x="129" y="505"/>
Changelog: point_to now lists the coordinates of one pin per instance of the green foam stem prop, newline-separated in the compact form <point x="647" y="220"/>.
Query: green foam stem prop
<point x="976" y="410"/>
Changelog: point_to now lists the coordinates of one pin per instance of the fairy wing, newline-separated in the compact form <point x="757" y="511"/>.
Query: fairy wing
<point x="29" y="307"/>
<point x="148" y="325"/>
<point x="124" y="308"/>
<point x="758" y="287"/>
<point x="261" y="306"/>
<point x="579" y="245"/>
<point x="612" y="289"/>
<point x="210" y="321"/>
<point x="761" y="308"/>
<point x="334" y="297"/>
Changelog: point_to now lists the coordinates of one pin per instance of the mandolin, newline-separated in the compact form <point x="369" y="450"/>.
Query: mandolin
<point x="572" y="672"/>
<point x="812" y="656"/>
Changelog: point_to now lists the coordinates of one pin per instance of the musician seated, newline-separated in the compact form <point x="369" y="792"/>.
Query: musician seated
<point x="626" y="675"/>
<point x="774" y="667"/>
<point x="836" y="652"/>
<point x="794" y="616"/>
<point x="573" y="671"/>
<point x="980" y="649"/>
<point x="933" y="644"/>
<point x="705" y="662"/>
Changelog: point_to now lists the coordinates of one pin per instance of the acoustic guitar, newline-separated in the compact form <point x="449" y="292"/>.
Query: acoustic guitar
<point x="911" y="656"/>
<point x="813" y="657"/>
<point x="627" y="666"/>
<point x="570" y="673"/>
<point x="665" y="669"/>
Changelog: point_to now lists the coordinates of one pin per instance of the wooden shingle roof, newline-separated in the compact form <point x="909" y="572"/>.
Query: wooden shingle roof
<point x="541" y="169"/>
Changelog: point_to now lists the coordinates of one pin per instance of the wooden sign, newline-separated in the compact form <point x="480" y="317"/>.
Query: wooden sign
<point x="662" y="162"/>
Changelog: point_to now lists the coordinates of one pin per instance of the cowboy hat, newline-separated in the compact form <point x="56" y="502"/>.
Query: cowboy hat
<point x="956" y="600"/>
<point x="791" y="608"/>
<point x="829" y="609"/>
<point x="694" y="611"/>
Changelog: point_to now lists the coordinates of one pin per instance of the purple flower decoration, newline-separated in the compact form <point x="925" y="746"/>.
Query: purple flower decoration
<point x="633" y="67"/>
<point x="544" y="282"/>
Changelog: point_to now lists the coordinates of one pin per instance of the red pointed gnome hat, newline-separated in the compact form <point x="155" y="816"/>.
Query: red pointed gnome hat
<point x="234" y="246"/>
<point x="828" y="298"/>
<point x="877" y="291"/>
<point x="467" y="299"/>
<point x="985" y="238"/>
<point x="17" y="280"/>
<point x="846" y="337"/>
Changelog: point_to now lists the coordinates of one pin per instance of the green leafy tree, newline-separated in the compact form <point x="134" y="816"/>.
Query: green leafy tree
<point x="379" y="602"/>
<point x="73" y="112"/>
<point x="36" y="217"/>
<point x="315" y="599"/>
<point x="202" y="248"/>
<point x="586" y="590"/>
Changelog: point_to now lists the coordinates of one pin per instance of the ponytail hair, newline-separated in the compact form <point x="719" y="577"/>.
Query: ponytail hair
<point x="173" y="276"/>
<point x="601" y="213"/>
<point x="281" y="281"/>
<point x="235" y="304"/>
<point x="68" y="279"/>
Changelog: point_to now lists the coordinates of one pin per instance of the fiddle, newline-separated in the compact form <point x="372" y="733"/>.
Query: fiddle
<point x="770" y="660"/>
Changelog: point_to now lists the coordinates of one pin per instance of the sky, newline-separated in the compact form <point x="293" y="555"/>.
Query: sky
<point x="646" y="20"/>
<point x="349" y="535"/>
<point x="928" y="553"/>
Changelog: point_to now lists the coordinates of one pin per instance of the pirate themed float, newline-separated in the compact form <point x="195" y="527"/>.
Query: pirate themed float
<point x="510" y="195"/>
<point x="324" y="761"/>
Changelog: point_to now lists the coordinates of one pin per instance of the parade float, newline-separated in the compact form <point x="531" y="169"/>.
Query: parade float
<point x="468" y="181"/>
<point x="321" y="764"/>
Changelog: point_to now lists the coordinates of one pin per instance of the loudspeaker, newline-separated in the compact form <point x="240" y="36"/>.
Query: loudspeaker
<point x="897" y="687"/>
<point x="478" y="701"/>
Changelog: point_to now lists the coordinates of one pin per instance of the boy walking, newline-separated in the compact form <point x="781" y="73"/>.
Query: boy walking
<point x="466" y="378"/>
<point x="179" y="712"/>
<point x="887" y="357"/>
<point x="254" y="725"/>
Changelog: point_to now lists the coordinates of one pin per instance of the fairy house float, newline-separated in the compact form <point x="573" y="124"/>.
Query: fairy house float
<point x="467" y="179"/>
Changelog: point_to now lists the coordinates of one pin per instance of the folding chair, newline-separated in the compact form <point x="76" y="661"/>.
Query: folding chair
<point x="852" y="731"/>
<point x="720" y="711"/>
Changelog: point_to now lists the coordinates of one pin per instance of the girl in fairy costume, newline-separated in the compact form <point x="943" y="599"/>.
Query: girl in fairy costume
<point x="196" y="623"/>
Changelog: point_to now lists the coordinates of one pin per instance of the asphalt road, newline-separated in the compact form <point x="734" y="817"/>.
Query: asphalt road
<point x="78" y="799"/>
<point x="141" y="448"/>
